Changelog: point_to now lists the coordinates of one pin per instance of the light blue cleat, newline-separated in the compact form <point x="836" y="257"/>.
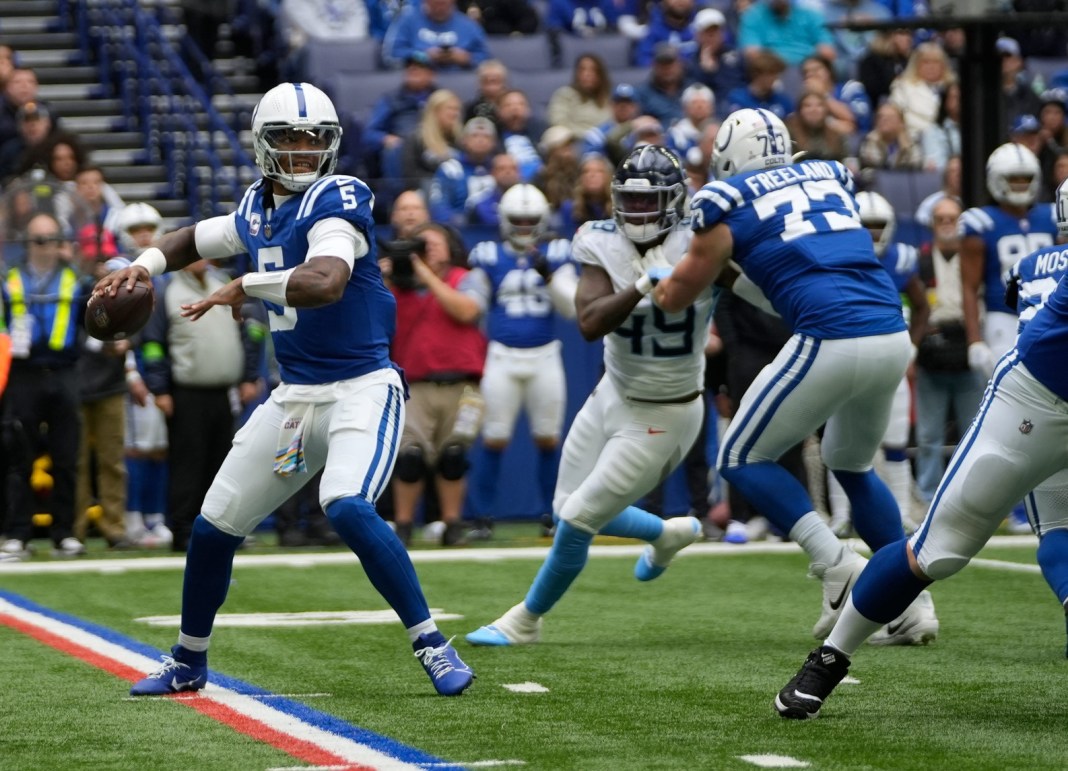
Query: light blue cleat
<point x="679" y="532"/>
<point x="518" y="626"/>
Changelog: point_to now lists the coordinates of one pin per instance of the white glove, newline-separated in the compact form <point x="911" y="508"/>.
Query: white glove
<point x="654" y="258"/>
<point x="981" y="359"/>
<point x="651" y="278"/>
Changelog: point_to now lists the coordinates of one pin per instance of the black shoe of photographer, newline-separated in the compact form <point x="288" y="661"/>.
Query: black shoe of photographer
<point x="454" y="535"/>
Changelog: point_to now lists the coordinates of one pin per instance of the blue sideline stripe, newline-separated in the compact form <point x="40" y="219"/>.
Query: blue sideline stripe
<point x="313" y="717"/>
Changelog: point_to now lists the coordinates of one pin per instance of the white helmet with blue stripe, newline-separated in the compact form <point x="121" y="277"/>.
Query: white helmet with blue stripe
<point x="749" y="140"/>
<point x="877" y="215"/>
<point x="295" y="133"/>
<point x="1013" y="160"/>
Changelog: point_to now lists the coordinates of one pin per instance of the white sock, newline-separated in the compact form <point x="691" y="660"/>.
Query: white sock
<point x="851" y="630"/>
<point x="151" y="520"/>
<point x="521" y="615"/>
<point x="424" y="627"/>
<point x="812" y="534"/>
<point x="190" y="643"/>
<point x="134" y="522"/>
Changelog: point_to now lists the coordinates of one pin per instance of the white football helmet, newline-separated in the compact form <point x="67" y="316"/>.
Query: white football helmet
<point x="748" y="140"/>
<point x="294" y="123"/>
<point x="524" y="215"/>
<point x="136" y="215"/>
<point x="1013" y="160"/>
<point x="1060" y="209"/>
<point x="877" y="215"/>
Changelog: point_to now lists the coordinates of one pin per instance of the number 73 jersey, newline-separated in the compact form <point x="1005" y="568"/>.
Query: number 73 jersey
<point x="653" y="355"/>
<point x="797" y="235"/>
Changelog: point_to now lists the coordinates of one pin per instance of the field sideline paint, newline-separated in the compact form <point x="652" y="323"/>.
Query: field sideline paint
<point x="304" y="733"/>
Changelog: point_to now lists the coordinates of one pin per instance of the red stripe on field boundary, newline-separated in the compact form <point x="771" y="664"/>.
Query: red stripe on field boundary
<point x="297" y="748"/>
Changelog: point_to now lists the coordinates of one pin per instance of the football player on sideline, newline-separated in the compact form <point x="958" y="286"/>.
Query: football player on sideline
<point x="795" y="231"/>
<point x="340" y="405"/>
<point x="642" y="417"/>
<point x="520" y="282"/>
<point x="1014" y="444"/>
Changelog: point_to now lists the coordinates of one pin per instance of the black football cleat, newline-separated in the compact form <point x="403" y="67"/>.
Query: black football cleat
<point x="803" y="696"/>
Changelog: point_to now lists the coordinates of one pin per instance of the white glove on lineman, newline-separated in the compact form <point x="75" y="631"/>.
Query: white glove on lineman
<point x="981" y="359"/>
<point x="654" y="258"/>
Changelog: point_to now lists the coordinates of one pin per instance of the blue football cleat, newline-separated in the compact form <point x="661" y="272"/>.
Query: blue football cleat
<point x="488" y="635"/>
<point x="173" y="676"/>
<point x="450" y="675"/>
<point x="679" y="532"/>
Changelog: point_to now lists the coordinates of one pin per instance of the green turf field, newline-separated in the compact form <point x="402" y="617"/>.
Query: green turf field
<point x="676" y="674"/>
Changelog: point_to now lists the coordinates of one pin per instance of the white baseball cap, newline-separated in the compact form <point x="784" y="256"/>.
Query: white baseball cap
<point x="708" y="17"/>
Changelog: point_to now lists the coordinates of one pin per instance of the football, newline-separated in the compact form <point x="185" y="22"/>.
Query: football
<point x="118" y="316"/>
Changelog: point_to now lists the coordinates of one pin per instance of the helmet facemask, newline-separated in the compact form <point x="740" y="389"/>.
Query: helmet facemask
<point x="646" y="212"/>
<point x="309" y="152"/>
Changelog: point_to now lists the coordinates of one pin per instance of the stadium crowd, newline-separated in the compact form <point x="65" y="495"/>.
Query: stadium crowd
<point x="86" y="425"/>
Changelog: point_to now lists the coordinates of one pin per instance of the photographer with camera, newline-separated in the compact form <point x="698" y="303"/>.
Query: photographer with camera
<point x="441" y="349"/>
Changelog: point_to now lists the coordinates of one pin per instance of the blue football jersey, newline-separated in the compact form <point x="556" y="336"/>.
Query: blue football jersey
<point x="519" y="309"/>
<point x="1043" y="343"/>
<point x="1036" y="276"/>
<point x="797" y="235"/>
<point x="1006" y="240"/>
<point x="902" y="262"/>
<point x="339" y="341"/>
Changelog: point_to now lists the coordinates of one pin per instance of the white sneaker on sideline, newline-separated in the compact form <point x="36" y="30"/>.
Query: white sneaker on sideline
<point x="69" y="547"/>
<point x="918" y="625"/>
<point x="14" y="550"/>
<point x="837" y="583"/>
<point x="159" y="537"/>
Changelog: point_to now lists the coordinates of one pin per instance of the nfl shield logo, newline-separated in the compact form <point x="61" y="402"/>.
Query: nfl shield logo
<point x="1026" y="426"/>
<point x="254" y="225"/>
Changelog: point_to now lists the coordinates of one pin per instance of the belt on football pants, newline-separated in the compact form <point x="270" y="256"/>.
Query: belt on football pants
<point x="677" y="400"/>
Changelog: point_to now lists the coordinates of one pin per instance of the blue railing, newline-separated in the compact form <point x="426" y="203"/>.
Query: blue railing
<point x="163" y="101"/>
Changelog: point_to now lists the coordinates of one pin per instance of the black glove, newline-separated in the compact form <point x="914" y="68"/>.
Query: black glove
<point x="541" y="264"/>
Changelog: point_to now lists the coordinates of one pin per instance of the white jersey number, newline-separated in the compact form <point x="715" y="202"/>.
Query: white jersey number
<point x="1013" y="248"/>
<point x="798" y="220"/>
<point x="282" y="317"/>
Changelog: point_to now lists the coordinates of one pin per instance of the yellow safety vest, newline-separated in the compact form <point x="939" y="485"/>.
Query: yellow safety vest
<point x="68" y="283"/>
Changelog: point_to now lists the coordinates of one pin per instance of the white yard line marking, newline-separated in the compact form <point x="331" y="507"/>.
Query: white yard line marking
<point x="628" y="549"/>
<point x="774" y="761"/>
<point x="850" y="680"/>
<point x="310" y="618"/>
<point x="527" y="687"/>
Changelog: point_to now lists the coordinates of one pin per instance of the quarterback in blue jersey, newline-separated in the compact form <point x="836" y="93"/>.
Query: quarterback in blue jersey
<point x="796" y="234"/>
<point x="1015" y="443"/>
<point x="340" y="405"/>
<point x="993" y="239"/>
<point x="520" y="282"/>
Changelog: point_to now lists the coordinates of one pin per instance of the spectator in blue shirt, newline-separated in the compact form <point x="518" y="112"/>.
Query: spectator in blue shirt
<point x="449" y="39"/>
<point x="787" y="29"/>
<point x="659" y="96"/>
<point x="520" y="132"/>
<point x="397" y="114"/>
<point x="458" y="180"/>
<point x="669" y="22"/>
<point x="762" y="91"/>
<point x="714" y="63"/>
<point x="581" y="17"/>
<point x="848" y="106"/>
<point x="607" y="138"/>
<point x="483" y="206"/>
<point x="699" y="107"/>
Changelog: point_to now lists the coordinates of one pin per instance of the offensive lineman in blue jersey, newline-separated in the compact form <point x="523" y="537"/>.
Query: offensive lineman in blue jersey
<point x="1016" y="442"/>
<point x="902" y="262"/>
<point x="520" y="282"/>
<point x="340" y="406"/>
<point x="1028" y="286"/>
<point x="795" y="232"/>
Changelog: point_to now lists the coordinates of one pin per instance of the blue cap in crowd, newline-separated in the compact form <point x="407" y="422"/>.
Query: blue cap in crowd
<point x="1025" y="124"/>
<point x="624" y="92"/>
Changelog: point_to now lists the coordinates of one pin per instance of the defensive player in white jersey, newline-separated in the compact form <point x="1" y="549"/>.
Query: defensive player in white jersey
<point x="1016" y="442"/>
<point x="795" y="231"/>
<point x="646" y="411"/>
<point x="340" y="406"/>
<point x="521" y="284"/>
<point x="993" y="239"/>
<point x="1029" y="284"/>
<point x="902" y="262"/>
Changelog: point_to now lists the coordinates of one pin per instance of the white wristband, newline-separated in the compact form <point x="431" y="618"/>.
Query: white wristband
<point x="270" y="285"/>
<point x="644" y="284"/>
<point x="133" y="376"/>
<point x="152" y="260"/>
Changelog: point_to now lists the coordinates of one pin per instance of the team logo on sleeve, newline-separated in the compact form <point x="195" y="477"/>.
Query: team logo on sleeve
<point x="254" y="224"/>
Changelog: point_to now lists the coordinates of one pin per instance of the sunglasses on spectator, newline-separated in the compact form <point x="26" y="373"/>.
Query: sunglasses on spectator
<point x="945" y="218"/>
<point x="43" y="240"/>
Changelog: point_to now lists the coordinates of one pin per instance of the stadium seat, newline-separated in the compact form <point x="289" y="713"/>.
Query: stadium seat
<point x="463" y="83"/>
<point x="356" y="92"/>
<point x="539" y="87"/>
<point x="904" y="190"/>
<point x="328" y="57"/>
<point x="521" y="54"/>
<point x="613" y="49"/>
<point x="1049" y="68"/>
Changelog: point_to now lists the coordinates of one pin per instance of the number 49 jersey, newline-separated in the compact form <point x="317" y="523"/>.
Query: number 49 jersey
<point x="798" y="236"/>
<point x="334" y="342"/>
<point x="653" y="355"/>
